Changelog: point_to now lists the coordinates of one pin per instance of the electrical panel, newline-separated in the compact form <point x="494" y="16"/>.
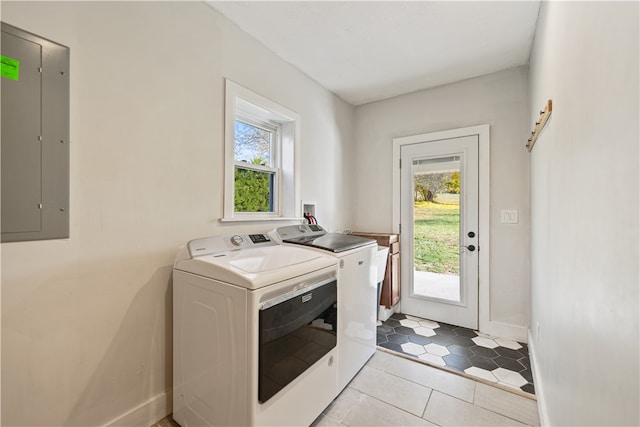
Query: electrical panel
<point x="35" y="137"/>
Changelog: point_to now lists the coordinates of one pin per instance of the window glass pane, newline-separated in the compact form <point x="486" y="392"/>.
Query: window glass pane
<point x="252" y="144"/>
<point x="253" y="190"/>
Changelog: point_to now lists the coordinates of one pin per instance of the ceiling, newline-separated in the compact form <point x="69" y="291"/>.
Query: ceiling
<point x="365" y="51"/>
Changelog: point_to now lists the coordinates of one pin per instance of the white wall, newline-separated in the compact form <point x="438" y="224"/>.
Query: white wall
<point x="86" y="322"/>
<point x="498" y="99"/>
<point x="584" y="197"/>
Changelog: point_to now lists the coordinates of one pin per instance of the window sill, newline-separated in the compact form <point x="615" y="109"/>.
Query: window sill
<point x="261" y="219"/>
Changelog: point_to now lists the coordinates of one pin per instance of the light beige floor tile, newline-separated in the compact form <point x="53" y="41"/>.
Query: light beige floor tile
<point x="326" y="421"/>
<point x="372" y="412"/>
<point x="380" y="360"/>
<point x="445" y="410"/>
<point x="394" y="390"/>
<point x="448" y="383"/>
<point x="342" y="404"/>
<point x="509" y="404"/>
<point x="167" y="422"/>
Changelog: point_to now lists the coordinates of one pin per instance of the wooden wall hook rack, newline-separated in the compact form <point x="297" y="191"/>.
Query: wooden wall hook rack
<point x="544" y="116"/>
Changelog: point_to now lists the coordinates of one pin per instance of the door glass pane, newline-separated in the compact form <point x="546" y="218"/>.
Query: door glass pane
<point x="436" y="222"/>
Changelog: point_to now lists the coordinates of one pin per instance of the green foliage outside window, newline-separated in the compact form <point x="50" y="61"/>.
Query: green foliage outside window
<point x="252" y="189"/>
<point x="428" y="185"/>
<point x="453" y="185"/>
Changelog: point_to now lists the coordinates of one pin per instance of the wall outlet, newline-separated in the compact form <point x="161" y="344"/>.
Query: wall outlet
<point x="509" y="216"/>
<point x="309" y="208"/>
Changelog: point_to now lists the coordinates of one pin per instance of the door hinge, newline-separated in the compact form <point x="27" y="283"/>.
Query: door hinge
<point x="399" y="228"/>
<point x="400" y="163"/>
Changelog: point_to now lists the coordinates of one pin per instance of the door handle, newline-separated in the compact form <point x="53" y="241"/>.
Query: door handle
<point x="471" y="248"/>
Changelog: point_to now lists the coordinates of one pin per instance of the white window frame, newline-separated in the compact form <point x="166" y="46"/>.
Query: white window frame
<point x="246" y="105"/>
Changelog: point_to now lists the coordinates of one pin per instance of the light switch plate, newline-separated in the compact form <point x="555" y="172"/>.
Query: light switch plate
<point x="509" y="216"/>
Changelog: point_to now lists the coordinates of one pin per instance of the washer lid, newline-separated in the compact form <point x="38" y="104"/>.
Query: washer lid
<point x="332" y="242"/>
<point x="257" y="267"/>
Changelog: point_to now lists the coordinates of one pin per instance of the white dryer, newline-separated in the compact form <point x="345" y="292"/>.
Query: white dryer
<point x="254" y="332"/>
<point x="357" y="290"/>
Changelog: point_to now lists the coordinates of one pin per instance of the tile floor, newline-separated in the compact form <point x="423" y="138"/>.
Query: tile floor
<point x="496" y="360"/>
<point x="394" y="391"/>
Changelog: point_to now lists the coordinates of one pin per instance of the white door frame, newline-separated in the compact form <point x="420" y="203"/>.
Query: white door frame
<point x="483" y="204"/>
<point x="464" y="311"/>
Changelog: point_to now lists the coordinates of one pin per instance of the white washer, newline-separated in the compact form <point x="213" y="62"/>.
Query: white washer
<point x="235" y="361"/>
<point x="357" y="290"/>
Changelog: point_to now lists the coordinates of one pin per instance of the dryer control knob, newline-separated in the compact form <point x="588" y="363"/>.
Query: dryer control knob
<point x="302" y="229"/>
<point x="237" y="240"/>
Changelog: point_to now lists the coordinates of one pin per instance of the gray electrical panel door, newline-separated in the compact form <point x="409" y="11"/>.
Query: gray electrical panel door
<point x="21" y="120"/>
<point x="35" y="137"/>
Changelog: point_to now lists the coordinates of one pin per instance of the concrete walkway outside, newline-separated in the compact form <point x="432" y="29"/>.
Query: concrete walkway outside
<point x="437" y="285"/>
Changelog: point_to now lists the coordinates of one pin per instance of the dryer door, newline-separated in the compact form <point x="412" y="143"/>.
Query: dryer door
<point x="295" y="331"/>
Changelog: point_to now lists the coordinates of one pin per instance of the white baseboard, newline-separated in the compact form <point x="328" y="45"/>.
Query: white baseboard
<point x="146" y="414"/>
<point x="542" y="407"/>
<point x="384" y="313"/>
<point x="506" y="330"/>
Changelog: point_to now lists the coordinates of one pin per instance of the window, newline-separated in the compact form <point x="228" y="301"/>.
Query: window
<point x="260" y="140"/>
<point x="256" y="167"/>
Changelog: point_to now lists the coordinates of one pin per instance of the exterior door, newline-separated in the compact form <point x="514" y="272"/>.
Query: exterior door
<point x="439" y="230"/>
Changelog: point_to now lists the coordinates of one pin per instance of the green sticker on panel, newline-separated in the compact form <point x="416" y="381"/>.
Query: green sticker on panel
<point x="10" y="68"/>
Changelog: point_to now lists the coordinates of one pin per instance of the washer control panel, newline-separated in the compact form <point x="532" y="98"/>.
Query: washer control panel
<point x="218" y="244"/>
<point x="237" y="240"/>
<point x="294" y="231"/>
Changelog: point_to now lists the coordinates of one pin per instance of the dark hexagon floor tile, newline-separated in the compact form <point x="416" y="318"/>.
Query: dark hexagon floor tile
<point x="444" y="331"/>
<point x="464" y="332"/>
<point x="483" y="362"/>
<point x="460" y="350"/>
<point x="484" y="351"/>
<point x="525" y="362"/>
<point x="528" y="388"/>
<point x="456" y="361"/>
<point x="527" y="375"/>
<point x="392" y="323"/>
<point x="384" y="329"/>
<point x="398" y="316"/>
<point x="380" y="338"/>
<point x="419" y="339"/>
<point x="447" y="326"/>
<point x="441" y="339"/>
<point x="508" y="353"/>
<point x="397" y="339"/>
<point x="392" y="346"/>
<point x="403" y="330"/>
<point x="509" y="364"/>
<point x="462" y="341"/>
